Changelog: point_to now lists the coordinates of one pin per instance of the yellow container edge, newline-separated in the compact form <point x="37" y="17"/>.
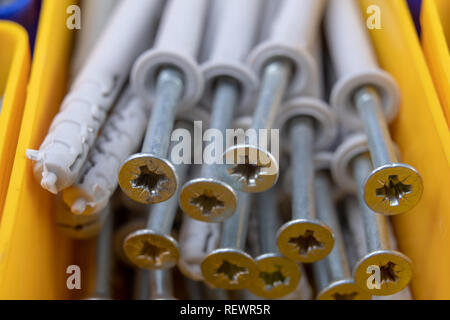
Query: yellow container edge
<point x="14" y="99"/>
<point x="34" y="256"/>
<point x="424" y="140"/>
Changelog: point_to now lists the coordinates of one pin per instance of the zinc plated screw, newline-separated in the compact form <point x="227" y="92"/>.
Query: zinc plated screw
<point x="104" y="261"/>
<point x="148" y="177"/>
<point x="304" y="239"/>
<point x="277" y="275"/>
<point x="249" y="167"/>
<point x="154" y="248"/>
<point x="394" y="267"/>
<point x="332" y="274"/>
<point x="392" y="188"/>
<point x="208" y="198"/>
<point x="230" y="267"/>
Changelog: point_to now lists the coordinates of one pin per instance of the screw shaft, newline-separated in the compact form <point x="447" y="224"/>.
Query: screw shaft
<point x="268" y="221"/>
<point x="375" y="225"/>
<point x="224" y="104"/>
<point x="104" y="258"/>
<point x="336" y="263"/>
<point x="163" y="214"/>
<point x="368" y="103"/>
<point x="234" y="233"/>
<point x="273" y="88"/>
<point x="161" y="286"/>
<point x="302" y="150"/>
<point x="169" y="89"/>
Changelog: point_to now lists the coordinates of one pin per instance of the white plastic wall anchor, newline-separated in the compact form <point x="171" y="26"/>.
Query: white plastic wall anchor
<point x="197" y="239"/>
<point x="83" y="111"/>
<point x="232" y="29"/>
<point x="77" y="226"/>
<point x="177" y="44"/>
<point x="270" y="11"/>
<point x="94" y="17"/>
<point x="292" y="36"/>
<point x="121" y="135"/>
<point x="355" y="63"/>
<point x="341" y="169"/>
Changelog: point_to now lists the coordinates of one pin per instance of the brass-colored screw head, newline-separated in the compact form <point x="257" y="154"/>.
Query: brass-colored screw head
<point x="343" y="290"/>
<point x="277" y="276"/>
<point x="393" y="189"/>
<point x="149" y="250"/>
<point x="251" y="169"/>
<point x="208" y="200"/>
<point x="229" y="269"/>
<point x="148" y="179"/>
<point x="383" y="272"/>
<point x="305" y="241"/>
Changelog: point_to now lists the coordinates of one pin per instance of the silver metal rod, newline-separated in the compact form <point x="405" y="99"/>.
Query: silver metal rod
<point x="161" y="285"/>
<point x="104" y="258"/>
<point x="370" y="109"/>
<point x="268" y="221"/>
<point x="273" y="88"/>
<point x="375" y="225"/>
<point x="163" y="214"/>
<point x="336" y="262"/>
<point x="169" y="89"/>
<point x="223" y="107"/>
<point x="234" y="233"/>
<point x="302" y="152"/>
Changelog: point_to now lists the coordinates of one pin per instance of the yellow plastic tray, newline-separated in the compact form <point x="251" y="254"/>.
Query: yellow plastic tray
<point x="33" y="255"/>
<point x="435" y="21"/>
<point x="422" y="134"/>
<point x="14" y="70"/>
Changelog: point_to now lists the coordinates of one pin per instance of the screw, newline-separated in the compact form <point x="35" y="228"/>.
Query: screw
<point x="395" y="269"/>
<point x="230" y="267"/>
<point x="277" y="276"/>
<point x="148" y="177"/>
<point x="392" y="188"/>
<point x="250" y="168"/>
<point x="153" y="247"/>
<point x="304" y="238"/>
<point x="332" y="274"/>
<point x="104" y="260"/>
<point x="208" y="198"/>
<point x="161" y="285"/>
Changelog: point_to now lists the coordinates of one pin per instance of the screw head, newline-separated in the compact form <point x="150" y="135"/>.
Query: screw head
<point x="305" y="241"/>
<point x="345" y="289"/>
<point x="149" y="250"/>
<point x="393" y="189"/>
<point x="395" y="272"/>
<point x="251" y="169"/>
<point x="229" y="269"/>
<point x="208" y="200"/>
<point x="277" y="276"/>
<point x="148" y="179"/>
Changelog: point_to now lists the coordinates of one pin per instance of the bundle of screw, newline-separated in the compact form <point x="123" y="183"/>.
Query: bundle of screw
<point x="320" y="230"/>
